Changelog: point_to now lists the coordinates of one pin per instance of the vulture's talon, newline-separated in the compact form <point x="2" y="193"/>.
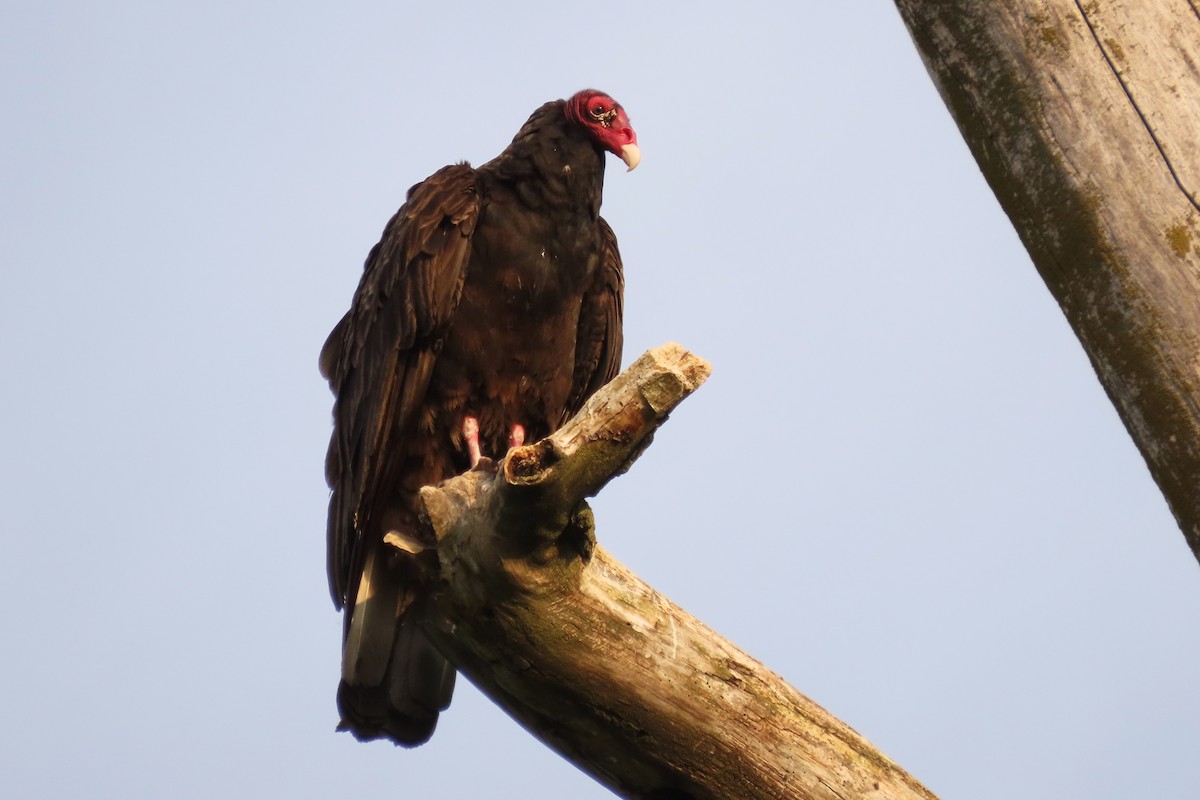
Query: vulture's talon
<point x="516" y="436"/>
<point x="470" y="431"/>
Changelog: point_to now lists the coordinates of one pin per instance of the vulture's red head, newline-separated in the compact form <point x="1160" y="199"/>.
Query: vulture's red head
<point x="607" y="122"/>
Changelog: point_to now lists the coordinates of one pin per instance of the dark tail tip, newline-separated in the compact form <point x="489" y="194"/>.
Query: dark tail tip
<point x="367" y="715"/>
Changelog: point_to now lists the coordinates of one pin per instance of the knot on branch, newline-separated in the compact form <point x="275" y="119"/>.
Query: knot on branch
<point x="526" y="466"/>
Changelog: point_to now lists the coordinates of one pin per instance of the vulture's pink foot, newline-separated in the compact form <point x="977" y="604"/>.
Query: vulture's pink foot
<point x="470" y="431"/>
<point x="516" y="436"/>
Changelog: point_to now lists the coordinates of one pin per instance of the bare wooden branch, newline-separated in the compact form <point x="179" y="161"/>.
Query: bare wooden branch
<point x="1085" y="119"/>
<point x="610" y="673"/>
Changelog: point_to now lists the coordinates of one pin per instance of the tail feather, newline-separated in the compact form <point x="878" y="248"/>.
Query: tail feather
<point x="394" y="682"/>
<point x="368" y="645"/>
<point x="420" y="678"/>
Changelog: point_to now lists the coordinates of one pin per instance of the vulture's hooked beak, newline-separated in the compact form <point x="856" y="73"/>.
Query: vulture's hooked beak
<point x="631" y="155"/>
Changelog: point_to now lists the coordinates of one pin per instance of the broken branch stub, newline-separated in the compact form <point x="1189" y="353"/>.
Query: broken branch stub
<point x="612" y="428"/>
<point x="534" y="510"/>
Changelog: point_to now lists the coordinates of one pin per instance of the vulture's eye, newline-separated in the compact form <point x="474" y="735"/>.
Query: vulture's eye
<point x="597" y="110"/>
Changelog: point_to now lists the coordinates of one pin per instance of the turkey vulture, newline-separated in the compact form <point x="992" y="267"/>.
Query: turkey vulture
<point x="488" y="312"/>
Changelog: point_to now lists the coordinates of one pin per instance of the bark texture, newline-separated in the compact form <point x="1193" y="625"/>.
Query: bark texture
<point x="1085" y="120"/>
<point x="617" y="678"/>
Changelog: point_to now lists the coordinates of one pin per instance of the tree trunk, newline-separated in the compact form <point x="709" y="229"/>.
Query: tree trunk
<point x="1085" y="119"/>
<point x="615" y="677"/>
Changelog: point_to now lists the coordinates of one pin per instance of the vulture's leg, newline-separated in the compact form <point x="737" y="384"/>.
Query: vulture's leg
<point x="470" y="431"/>
<point x="516" y="436"/>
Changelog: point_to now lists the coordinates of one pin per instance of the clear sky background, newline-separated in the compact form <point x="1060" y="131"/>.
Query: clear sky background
<point x="903" y="488"/>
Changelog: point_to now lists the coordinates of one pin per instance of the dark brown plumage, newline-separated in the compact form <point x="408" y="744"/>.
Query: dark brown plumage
<point x="493" y="297"/>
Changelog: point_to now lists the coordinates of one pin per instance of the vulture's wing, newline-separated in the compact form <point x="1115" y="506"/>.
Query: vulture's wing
<point x="378" y="359"/>
<point x="599" y="340"/>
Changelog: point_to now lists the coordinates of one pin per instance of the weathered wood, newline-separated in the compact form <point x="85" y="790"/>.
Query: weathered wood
<point x="610" y="673"/>
<point x="1085" y="120"/>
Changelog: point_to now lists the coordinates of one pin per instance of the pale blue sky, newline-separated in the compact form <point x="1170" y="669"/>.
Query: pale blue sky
<point x="903" y="488"/>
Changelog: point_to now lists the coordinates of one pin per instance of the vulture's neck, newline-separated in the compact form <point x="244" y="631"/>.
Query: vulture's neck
<point x="552" y="163"/>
